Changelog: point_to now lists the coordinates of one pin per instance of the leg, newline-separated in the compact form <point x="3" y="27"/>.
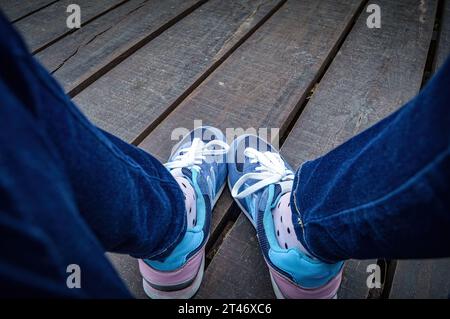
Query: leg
<point x="385" y="192"/>
<point x="122" y="196"/>
<point x="111" y="180"/>
<point x="199" y="166"/>
<point x="68" y="190"/>
<point x="42" y="230"/>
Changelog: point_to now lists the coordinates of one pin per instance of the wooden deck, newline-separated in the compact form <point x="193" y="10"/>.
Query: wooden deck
<point x="141" y="68"/>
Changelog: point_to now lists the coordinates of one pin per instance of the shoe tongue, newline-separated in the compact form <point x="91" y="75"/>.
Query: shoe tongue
<point x="279" y="190"/>
<point x="200" y="179"/>
<point x="265" y="196"/>
<point x="182" y="172"/>
<point x="187" y="172"/>
<point x="249" y="167"/>
<point x="202" y="184"/>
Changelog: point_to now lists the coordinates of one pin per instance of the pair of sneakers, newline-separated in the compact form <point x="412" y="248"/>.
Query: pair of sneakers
<point x="261" y="182"/>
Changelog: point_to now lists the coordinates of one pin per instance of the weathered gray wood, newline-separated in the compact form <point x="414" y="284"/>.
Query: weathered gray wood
<point x="81" y="57"/>
<point x="443" y="46"/>
<point x="49" y="24"/>
<point x="426" y="278"/>
<point x="422" y="279"/>
<point x="16" y="9"/>
<point x="146" y="86"/>
<point x="164" y="69"/>
<point x="128" y="269"/>
<point x="239" y="252"/>
<point x="373" y="74"/>
<point x="260" y="84"/>
<point x="271" y="67"/>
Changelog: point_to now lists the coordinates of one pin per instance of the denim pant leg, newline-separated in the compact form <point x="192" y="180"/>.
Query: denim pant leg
<point x="385" y="192"/>
<point x="70" y="190"/>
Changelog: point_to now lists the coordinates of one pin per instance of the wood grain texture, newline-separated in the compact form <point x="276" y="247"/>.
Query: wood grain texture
<point x="49" y="24"/>
<point x="143" y="88"/>
<point x="261" y="83"/>
<point x="128" y="269"/>
<point x="422" y="279"/>
<point x="372" y="75"/>
<point x="376" y="71"/>
<point x="443" y="46"/>
<point x="238" y="270"/>
<point x="84" y="55"/>
<point x="16" y="9"/>
<point x="430" y="278"/>
<point x="126" y="99"/>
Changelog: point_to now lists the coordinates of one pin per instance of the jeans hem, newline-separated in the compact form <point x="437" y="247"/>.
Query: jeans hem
<point x="169" y="247"/>
<point x="300" y="220"/>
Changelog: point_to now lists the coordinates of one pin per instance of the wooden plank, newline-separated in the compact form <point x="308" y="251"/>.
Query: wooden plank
<point x="443" y="46"/>
<point x="128" y="269"/>
<point x="422" y="279"/>
<point x="16" y="9"/>
<point x="239" y="252"/>
<point x="375" y="71"/>
<point x="166" y="68"/>
<point x="85" y="55"/>
<point x="426" y="278"/>
<point x="261" y="83"/>
<point x="146" y="86"/>
<point x="382" y="70"/>
<point x="289" y="29"/>
<point x="49" y="24"/>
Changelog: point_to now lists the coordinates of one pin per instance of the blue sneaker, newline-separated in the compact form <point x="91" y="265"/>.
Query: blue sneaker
<point x="261" y="183"/>
<point x="199" y="166"/>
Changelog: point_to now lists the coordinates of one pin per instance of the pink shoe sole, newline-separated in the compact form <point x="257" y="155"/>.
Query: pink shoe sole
<point x="286" y="289"/>
<point x="182" y="283"/>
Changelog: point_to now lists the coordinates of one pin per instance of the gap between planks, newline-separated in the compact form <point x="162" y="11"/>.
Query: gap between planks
<point x="203" y="77"/>
<point x="430" y="68"/>
<point x="418" y="86"/>
<point x="132" y="49"/>
<point x="265" y="9"/>
<point x="46" y="45"/>
<point x="33" y="11"/>
<point x="225" y="225"/>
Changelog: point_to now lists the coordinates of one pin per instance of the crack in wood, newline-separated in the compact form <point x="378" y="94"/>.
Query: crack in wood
<point x="97" y="35"/>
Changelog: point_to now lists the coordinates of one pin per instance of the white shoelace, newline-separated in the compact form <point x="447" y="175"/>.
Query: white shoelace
<point x="270" y="171"/>
<point x="192" y="156"/>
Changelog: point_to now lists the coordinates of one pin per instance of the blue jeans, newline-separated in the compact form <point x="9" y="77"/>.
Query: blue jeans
<point x="70" y="191"/>
<point x="385" y="192"/>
